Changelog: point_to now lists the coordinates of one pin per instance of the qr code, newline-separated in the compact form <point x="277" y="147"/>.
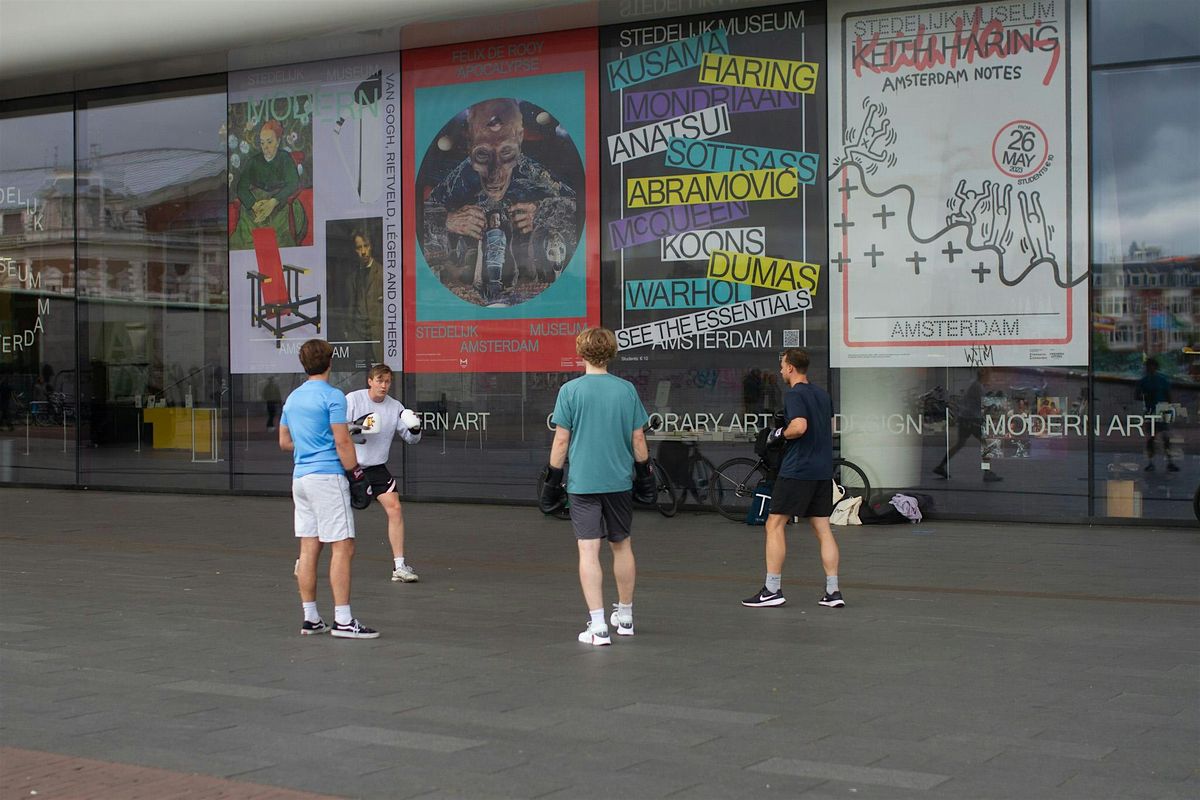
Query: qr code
<point x="791" y="338"/>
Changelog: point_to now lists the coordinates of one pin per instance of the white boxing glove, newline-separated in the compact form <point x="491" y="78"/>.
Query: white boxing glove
<point x="410" y="420"/>
<point x="362" y="427"/>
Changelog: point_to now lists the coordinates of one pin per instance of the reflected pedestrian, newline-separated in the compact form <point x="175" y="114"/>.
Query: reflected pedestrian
<point x="970" y="426"/>
<point x="1154" y="390"/>
<point x="270" y="396"/>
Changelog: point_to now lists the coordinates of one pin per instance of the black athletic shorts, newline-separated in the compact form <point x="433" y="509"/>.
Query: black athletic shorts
<point x="602" y="516"/>
<point x="802" y="498"/>
<point x="380" y="479"/>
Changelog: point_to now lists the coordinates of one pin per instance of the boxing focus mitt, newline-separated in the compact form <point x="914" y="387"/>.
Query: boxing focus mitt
<point x="360" y="488"/>
<point x="645" y="486"/>
<point x="554" y="494"/>
<point x="410" y="420"/>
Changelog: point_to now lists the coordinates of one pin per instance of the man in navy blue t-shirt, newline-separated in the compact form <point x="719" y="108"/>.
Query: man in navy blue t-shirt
<point x="804" y="487"/>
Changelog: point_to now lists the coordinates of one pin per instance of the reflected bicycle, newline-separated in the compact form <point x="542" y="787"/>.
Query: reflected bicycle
<point x="734" y="482"/>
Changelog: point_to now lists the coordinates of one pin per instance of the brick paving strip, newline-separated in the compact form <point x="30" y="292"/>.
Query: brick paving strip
<point x="30" y="773"/>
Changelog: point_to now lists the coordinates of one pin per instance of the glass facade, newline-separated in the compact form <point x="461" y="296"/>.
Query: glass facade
<point x="38" y="387"/>
<point x="1145" y="175"/>
<point x="152" y="290"/>
<point x="699" y="184"/>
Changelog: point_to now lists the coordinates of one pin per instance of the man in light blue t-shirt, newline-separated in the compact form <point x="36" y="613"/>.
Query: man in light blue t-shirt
<point x="598" y="422"/>
<point x="313" y="428"/>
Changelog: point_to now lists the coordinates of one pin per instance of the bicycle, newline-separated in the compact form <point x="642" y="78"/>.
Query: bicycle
<point x="667" y="502"/>
<point x="692" y="471"/>
<point x="56" y="409"/>
<point x="735" y="480"/>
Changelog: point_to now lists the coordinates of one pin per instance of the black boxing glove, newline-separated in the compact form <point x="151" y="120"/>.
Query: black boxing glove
<point x="645" y="485"/>
<point x="360" y="488"/>
<point x="554" y="494"/>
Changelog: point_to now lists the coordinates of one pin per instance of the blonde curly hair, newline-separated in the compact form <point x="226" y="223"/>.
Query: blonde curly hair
<point x="597" y="346"/>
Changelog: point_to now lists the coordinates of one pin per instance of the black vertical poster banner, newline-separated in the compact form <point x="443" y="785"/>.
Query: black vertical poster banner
<point x="713" y="163"/>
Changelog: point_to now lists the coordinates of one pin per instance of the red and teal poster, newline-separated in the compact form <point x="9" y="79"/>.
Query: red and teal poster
<point x="501" y="226"/>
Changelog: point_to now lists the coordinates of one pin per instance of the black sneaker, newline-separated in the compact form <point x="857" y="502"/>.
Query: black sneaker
<point x="940" y="471"/>
<point x="354" y="630"/>
<point x="764" y="599"/>
<point x="1172" y="467"/>
<point x="829" y="601"/>
<point x="309" y="628"/>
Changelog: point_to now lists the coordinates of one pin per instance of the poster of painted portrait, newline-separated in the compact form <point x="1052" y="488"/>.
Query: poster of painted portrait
<point x="501" y="226"/>
<point x="314" y="234"/>
<point x="270" y="170"/>
<point x="714" y="219"/>
<point x="958" y="184"/>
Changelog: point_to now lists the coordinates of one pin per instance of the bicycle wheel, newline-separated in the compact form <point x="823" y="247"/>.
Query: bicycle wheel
<point x="562" y="513"/>
<point x="668" y="499"/>
<point x="851" y="478"/>
<point x="733" y="484"/>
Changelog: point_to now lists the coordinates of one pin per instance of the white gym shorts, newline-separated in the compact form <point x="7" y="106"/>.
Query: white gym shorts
<point x="323" y="507"/>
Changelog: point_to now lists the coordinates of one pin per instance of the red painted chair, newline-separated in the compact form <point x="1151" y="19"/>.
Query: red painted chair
<point x="275" y="302"/>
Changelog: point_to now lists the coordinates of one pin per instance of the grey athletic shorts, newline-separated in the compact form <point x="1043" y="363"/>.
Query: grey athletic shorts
<point x="602" y="516"/>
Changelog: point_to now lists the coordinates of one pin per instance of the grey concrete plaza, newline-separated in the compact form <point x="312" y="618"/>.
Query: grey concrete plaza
<point x="972" y="660"/>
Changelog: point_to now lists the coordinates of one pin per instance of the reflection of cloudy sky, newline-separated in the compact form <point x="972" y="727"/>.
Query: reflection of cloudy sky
<point x="1146" y="156"/>
<point x="1136" y="30"/>
<point x="139" y="146"/>
<point x="30" y="147"/>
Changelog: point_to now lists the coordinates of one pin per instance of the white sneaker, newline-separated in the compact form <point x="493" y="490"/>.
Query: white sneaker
<point x="624" y="627"/>
<point x="597" y="635"/>
<point x="405" y="574"/>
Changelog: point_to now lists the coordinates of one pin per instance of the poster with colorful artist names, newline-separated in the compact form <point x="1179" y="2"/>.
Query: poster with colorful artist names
<point x="958" y="184"/>
<point x="314" y="233"/>
<point x="501" y="224"/>
<point x="714" y="220"/>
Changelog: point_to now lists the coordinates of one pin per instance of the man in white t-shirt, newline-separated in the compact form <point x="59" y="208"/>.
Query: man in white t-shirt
<point x="375" y="417"/>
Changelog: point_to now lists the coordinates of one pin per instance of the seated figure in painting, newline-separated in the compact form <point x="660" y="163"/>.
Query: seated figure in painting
<point x="266" y="191"/>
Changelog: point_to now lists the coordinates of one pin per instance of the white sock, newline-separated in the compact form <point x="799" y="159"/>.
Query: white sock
<point x="597" y="615"/>
<point x="773" y="582"/>
<point x="831" y="584"/>
<point x="399" y="562"/>
<point x="625" y="611"/>
<point x="342" y="615"/>
<point x="310" y="612"/>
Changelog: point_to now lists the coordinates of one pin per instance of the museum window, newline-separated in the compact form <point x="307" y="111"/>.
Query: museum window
<point x="38" y="398"/>
<point x="1145" y="203"/>
<point x="153" y="327"/>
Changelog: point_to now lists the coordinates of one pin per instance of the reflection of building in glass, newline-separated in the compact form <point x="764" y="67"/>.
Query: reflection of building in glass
<point x="154" y="242"/>
<point x="1147" y="306"/>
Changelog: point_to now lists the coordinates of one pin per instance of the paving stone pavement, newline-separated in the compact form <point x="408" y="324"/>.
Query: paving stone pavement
<point x="972" y="660"/>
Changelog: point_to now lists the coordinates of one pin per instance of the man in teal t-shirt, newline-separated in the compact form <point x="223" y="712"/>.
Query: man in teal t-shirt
<point x="598" y="419"/>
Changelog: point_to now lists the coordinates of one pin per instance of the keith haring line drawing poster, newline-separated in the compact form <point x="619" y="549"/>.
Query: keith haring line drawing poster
<point x="958" y="185"/>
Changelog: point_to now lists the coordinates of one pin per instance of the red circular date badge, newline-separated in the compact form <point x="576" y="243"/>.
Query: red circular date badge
<point x="1020" y="149"/>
